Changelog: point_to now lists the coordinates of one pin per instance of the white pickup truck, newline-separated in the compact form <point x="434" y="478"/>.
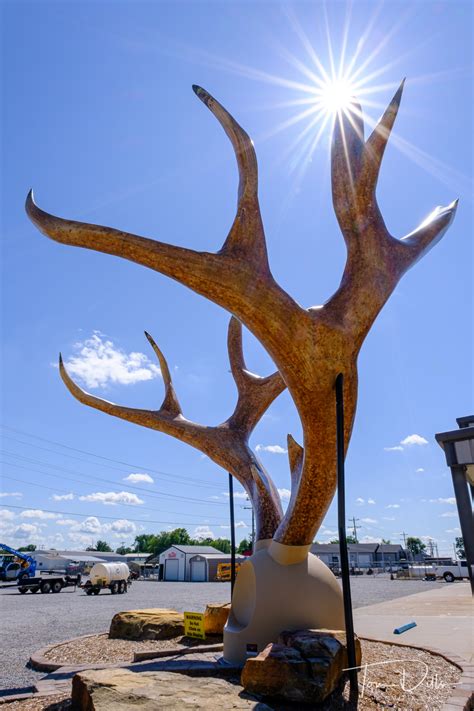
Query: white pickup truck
<point x="452" y="572"/>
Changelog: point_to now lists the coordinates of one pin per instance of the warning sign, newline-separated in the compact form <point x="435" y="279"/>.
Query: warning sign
<point x="194" y="624"/>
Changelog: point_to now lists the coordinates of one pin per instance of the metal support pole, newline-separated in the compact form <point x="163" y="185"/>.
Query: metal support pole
<point x="232" y="533"/>
<point x="341" y="512"/>
<point x="466" y="517"/>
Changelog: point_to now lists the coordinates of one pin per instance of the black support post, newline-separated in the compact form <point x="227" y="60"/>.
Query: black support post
<point x="341" y="514"/>
<point x="232" y="533"/>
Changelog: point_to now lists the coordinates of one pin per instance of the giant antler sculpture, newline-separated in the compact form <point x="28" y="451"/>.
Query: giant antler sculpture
<point x="284" y="587"/>
<point x="309" y="346"/>
<point x="226" y="444"/>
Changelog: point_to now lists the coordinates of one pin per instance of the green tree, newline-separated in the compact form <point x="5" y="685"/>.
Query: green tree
<point x="101" y="546"/>
<point x="156" y="543"/>
<point x="28" y="549"/>
<point x="222" y="544"/>
<point x="244" y="546"/>
<point x="384" y="540"/>
<point x="415" y="545"/>
<point x="144" y="543"/>
<point x="459" y="544"/>
<point x="349" y="539"/>
<point x="123" y="550"/>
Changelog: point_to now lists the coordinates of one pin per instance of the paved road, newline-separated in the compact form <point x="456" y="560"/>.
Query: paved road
<point x="29" y="622"/>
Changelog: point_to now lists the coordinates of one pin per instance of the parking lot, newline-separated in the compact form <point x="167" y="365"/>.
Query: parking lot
<point x="30" y="622"/>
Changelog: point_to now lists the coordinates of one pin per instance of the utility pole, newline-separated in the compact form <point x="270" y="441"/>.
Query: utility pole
<point x="405" y="543"/>
<point x="354" y="528"/>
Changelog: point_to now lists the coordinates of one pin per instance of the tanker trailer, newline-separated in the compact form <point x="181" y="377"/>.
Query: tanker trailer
<point x="112" y="576"/>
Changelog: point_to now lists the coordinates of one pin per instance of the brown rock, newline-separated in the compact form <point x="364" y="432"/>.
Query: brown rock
<point x="215" y="617"/>
<point x="122" y="690"/>
<point x="305" y="666"/>
<point x="155" y="623"/>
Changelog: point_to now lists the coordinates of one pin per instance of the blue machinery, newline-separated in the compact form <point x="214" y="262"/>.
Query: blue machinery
<point x="28" y="566"/>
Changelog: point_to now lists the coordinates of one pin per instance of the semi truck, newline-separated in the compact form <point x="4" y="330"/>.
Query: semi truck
<point x="48" y="583"/>
<point x="16" y="564"/>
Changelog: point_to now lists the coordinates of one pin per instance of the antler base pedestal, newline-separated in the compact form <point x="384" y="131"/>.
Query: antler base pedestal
<point x="271" y="596"/>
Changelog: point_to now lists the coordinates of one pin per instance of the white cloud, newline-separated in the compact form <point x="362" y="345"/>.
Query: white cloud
<point x="327" y="532"/>
<point x="26" y="531"/>
<point x="420" y="469"/>
<point x="393" y="506"/>
<point x="272" y="448"/>
<point x="284" y="494"/>
<point x="388" y="518"/>
<point x="397" y="448"/>
<point x="123" y="525"/>
<point x="38" y="513"/>
<point x="13" y="494"/>
<point x="99" y="362"/>
<point x="201" y="532"/>
<point x="113" y="497"/>
<point x="136" y="478"/>
<point x="450" y="500"/>
<point x="6" y="515"/>
<point x="360" y="500"/>
<point x="237" y="494"/>
<point x="90" y="525"/>
<point x="414" y="439"/>
<point x="449" y="514"/>
<point x="369" y="520"/>
<point x="63" y="497"/>
<point x="453" y="530"/>
<point x="66" y="522"/>
<point x="370" y="501"/>
<point x="370" y="539"/>
<point x="239" y="524"/>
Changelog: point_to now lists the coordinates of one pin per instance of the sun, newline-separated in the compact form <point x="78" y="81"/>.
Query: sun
<point x="336" y="95"/>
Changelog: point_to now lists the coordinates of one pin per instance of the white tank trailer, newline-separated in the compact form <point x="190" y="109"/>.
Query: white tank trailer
<point x="112" y="576"/>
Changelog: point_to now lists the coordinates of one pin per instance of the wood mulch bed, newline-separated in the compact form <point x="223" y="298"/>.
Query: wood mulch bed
<point x="395" y="677"/>
<point x="99" y="649"/>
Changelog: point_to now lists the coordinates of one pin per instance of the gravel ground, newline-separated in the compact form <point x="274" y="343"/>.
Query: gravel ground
<point x="33" y="621"/>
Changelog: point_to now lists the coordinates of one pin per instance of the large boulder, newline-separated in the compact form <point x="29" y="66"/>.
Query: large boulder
<point x="215" y="617"/>
<point x="155" y="623"/>
<point x="305" y="666"/>
<point x="122" y="690"/>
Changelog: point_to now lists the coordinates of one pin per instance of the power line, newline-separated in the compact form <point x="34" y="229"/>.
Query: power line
<point x="98" y="456"/>
<point x="176" y="477"/>
<point x="141" y="489"/>
<point x="51" y="488"/>
<point x="113" y="518"/>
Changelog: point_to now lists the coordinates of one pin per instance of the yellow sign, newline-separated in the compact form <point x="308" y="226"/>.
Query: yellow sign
<point x="194" y="625"/>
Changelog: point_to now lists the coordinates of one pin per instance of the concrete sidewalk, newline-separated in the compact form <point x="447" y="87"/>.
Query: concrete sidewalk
<point x="444" y="619"/>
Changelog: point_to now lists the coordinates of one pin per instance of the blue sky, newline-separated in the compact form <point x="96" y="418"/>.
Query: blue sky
<point x="99" y="117"/>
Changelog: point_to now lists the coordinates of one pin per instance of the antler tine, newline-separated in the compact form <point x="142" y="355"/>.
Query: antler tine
<point x="378" y="139"/>
<point x="247" y="236"/>
<point x="255" y="393"/>
<point x="241" y="141"/>
<point x="171" y="402"/>
<point x="146" y="418"/>
<point x="295" y="457"/>
<point x="429" y="233"/>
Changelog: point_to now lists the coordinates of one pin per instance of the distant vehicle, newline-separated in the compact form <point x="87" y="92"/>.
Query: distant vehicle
<point x="224" y="572"/>
<point x="108" y="576"/>
<point x="48" y="583"/>
<point x="450" y="573"/>
<point x="22" y="565"/>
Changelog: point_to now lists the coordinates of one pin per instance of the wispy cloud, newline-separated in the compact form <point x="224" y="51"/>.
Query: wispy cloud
<point x="409" y="441"/>
<point x="453" y="530"/>
<point x="201" y="532"/>
<point x="440" y="500"/>
<point x="419" y="470"/>
<point x="393" y="506"/>
<point x="62" y="497"/>
<point x="285" y="494"/>
<point x="113" y="497"/>
<point x="12" y="494"/>
<point x="371" y="501"/>
<point x="137" y="478"/>
<point x="237" y="494"/>
<point x="271" y="448"/>
<point x="388" y="518"/>
<point x="98" y="362"/>
<point x="369" y="520"/>
<point x="39" y="514"/>
<point x="360" y="500"/>
<point x="239" y="524"/>
<point x="449" y="514"/>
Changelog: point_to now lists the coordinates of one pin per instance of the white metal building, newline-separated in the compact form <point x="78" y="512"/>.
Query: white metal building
<point x="176" y="562"/>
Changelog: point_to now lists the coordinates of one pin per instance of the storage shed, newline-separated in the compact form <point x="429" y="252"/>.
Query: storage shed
<point x="203" y="567"/>
<point x="176" y="561"/>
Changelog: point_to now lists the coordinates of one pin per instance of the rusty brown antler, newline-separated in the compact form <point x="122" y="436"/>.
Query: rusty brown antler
<point x="309" y="346"/>
<point x="225" y="444"/>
